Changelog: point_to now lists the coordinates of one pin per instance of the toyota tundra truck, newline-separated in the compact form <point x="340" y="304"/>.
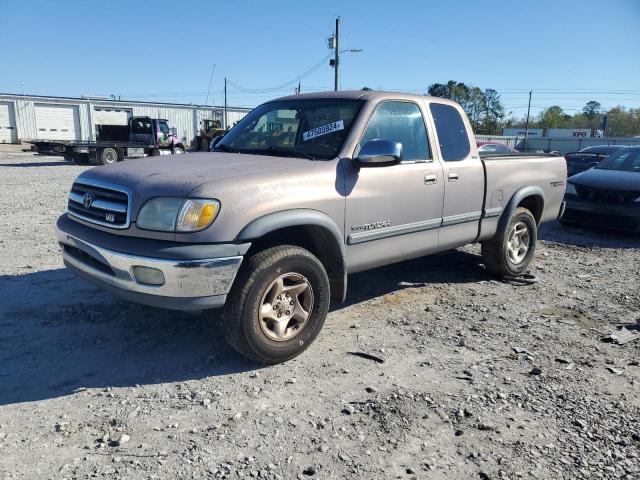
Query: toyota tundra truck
<point x="302" y="192"/>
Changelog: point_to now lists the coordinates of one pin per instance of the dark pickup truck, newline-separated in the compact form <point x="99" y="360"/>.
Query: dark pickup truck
<point x="141" y="137"/>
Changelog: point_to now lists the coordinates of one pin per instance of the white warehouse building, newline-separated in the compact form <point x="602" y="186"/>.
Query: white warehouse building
<point x="31" y="117"/>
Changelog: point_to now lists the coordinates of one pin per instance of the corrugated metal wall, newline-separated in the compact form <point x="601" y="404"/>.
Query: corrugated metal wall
<point x="186" y="118"/>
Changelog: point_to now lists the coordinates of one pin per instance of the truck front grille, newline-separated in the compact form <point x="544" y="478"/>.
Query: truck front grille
<point x="100" y="202"/>
<point x="599" y="195"/>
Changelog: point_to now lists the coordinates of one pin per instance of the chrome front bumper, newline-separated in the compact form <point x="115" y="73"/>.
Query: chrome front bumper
<point x="188" y="284"/>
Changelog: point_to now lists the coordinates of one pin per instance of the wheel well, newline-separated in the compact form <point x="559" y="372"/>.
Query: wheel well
<point x="319" y="241"/>
<point x="534" y="204"/>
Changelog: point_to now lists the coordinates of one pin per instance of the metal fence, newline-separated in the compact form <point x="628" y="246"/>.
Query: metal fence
<point x="562" y="145"/>
<point x="511" y="141"/>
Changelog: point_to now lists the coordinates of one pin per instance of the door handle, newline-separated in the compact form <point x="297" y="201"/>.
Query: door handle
<point x="430" y="179"/>
<point x="453" y="177"/>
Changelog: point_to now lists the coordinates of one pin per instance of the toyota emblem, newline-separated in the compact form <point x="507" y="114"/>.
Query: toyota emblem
<point x="87" y="200"/>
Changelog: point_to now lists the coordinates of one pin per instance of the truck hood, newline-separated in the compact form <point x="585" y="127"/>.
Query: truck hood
<point x="178" y="175"/>
<point x="607" y="179"/>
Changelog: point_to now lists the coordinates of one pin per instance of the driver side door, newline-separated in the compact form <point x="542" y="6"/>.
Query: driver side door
<point x="393" y="212"/>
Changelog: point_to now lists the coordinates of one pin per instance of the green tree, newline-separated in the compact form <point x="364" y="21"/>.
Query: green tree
<point x="592" y="109"/>
<point x="484" y="108"/>
<point x="553" y="117"/>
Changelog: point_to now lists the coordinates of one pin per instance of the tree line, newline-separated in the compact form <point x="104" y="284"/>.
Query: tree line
<point x="487" y="113"/>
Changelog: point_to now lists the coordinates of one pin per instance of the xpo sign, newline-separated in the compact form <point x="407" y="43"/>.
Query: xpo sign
<point x="569" y="133"/>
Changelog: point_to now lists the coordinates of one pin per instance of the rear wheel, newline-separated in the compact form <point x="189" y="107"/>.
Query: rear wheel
<point x="511" y="253"/>
<point x="108" y="156"/>
<point x="278" y="304"/>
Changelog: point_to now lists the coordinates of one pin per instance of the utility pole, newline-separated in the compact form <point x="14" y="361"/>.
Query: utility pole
<point x="336" y="55"/>
<point x="225" y="103"/>
<point x="526" y="127"/>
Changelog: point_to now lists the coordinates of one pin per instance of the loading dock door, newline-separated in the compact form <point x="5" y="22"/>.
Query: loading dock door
<point x="110" y="116"/>
<point x="57" y="122"/>
<point x="7" y="123"/>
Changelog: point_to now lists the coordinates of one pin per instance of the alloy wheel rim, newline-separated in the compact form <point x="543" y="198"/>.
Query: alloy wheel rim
<point x="519" y="242"/>
<point x="285" y="307"/>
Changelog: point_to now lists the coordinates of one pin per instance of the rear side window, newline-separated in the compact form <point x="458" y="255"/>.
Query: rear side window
<point x="452" y="134"/>
<point x="402" y="122"/>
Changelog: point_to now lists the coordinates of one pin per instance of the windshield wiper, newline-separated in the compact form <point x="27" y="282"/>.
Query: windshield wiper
<point x="287" y="152"/>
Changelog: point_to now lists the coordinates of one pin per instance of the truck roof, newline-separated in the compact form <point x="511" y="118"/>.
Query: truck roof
<point x="361" y="94"/>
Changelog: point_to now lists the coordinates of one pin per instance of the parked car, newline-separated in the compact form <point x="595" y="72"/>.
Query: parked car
<point x="607" y="195"/>
<point x="303" y="191"/>
<point x="589" y="157"/>
<point x="495" y="147"/>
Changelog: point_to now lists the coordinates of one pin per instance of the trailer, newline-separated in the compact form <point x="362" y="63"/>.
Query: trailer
<point x="141" y="137"/>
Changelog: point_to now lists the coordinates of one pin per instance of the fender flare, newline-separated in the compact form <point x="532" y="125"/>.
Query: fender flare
<point x="516" y="198"/>
<point x="300" y="217"/>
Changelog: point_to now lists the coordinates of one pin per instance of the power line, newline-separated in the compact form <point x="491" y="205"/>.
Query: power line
<point x="306" y="73"/>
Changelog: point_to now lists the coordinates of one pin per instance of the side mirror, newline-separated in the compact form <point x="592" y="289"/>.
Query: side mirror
<point x="174" y="131"/>
<point x="214" y="141"/>
<point x="380" y="152"/>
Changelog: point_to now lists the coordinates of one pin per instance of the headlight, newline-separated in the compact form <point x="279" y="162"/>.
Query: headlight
<point x="177" y="214"/>
<point x="571" y="188"/>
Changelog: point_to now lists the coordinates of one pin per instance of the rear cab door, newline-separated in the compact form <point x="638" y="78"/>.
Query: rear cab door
<point x="464" y="181"/>
<point x="140" y="130"/>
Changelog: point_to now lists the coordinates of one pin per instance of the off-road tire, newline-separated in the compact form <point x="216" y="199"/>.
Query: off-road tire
<point x="108" y="156"/>
<point x="495" y="251"/>
<point x="177" y="150"/>
<point x="240" y="316"/>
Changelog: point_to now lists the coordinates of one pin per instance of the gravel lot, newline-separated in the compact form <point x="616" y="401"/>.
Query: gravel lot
<point x="480" y="379"/>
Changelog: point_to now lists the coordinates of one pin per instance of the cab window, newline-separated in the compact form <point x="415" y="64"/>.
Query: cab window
<point x="452" y="133"/>
<point x="401" y="122"/>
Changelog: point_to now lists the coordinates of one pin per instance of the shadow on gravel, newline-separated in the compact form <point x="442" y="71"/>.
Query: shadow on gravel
<point x="454" y="266"/>
<point x="587" y="236"/>
<point x="37" y="164"/>
<point x="59" y="334"/>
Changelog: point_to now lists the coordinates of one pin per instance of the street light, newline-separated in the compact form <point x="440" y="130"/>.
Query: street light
<point x="334" y="62"/>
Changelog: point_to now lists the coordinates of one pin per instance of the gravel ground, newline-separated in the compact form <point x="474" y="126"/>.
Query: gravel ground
<point x="480" y="379"/>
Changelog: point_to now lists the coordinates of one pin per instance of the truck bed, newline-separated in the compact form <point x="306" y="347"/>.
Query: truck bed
<point x="107" y="144"/>
<point x="506" y="173"/>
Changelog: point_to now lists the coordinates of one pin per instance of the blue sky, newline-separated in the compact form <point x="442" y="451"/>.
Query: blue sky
<point x="568" y="52"/>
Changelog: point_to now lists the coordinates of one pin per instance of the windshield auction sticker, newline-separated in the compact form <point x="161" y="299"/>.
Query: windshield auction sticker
<point x="323" y="130"/>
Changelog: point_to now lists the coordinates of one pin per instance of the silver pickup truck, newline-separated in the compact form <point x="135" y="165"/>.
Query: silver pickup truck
<point x="300" y="193"/>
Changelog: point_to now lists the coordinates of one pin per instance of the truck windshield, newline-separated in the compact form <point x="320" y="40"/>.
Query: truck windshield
<point x="626" y="160"/>
<point x="314" y="128"/>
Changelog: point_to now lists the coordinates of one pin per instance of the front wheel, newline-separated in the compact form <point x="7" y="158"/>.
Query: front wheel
<point x="177" y="150"/>
<point x="511" y="253"/>
<point x="278" y="304"/>
<point x="108" y="156"/>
